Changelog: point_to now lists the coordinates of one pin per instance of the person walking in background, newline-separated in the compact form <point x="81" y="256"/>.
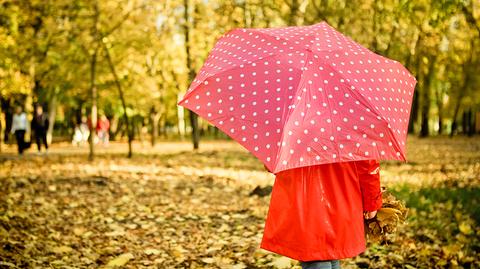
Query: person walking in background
<point x="19" y="127"/>
<point x="81" y="132"/>
<point x="39" y="127"/>
<point x="103" y="127"/>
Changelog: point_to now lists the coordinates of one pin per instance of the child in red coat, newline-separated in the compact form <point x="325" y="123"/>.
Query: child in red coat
<point x="316" y="212"/>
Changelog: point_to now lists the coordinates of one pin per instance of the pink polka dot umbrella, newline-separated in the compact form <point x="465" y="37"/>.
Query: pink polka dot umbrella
<point x="301" y="96"/>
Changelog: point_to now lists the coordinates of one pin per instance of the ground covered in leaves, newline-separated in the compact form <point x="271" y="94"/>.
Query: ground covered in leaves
<point x="168" y="207"/>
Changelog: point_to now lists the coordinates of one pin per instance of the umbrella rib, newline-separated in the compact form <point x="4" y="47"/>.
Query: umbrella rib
<point x="294" y="44"/>
<point x="373" y="109"/>
<point x="275" y="37"/>
<point x="259" y="59"/>
<point x="346" y="81"/>
<point x="223" y="71"/>
<point x="290" y="111"/>
<point x="332" y="129"/>
<point x="321" y="53"/>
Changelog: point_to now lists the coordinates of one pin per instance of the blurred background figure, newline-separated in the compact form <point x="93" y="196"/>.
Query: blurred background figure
<point x="19" y="127"/>
<point x="81" y="132"/>
<point x="39" y="128"/>
<point x="103" y="127"/>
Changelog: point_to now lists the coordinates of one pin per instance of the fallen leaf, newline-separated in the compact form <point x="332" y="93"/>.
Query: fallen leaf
<point x="281" y="262"/>
<point x="152" y="251"/>
<point x="120" y="260"/>
<point x="62" y="249"/>
<point x="208" y="260"/>
<point x="465" y="228"/>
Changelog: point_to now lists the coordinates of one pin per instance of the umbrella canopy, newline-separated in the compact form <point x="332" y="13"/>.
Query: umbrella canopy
<point x="301" y="96"/>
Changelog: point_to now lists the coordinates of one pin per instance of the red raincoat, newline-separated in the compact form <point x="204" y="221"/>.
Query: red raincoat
<point x="316" y="212"/>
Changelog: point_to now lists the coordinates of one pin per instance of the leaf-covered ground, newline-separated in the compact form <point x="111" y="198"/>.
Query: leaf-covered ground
<point x="168" y="207"/>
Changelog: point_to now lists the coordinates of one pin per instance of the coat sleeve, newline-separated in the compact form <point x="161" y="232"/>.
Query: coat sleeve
<point x="369" y="179"/>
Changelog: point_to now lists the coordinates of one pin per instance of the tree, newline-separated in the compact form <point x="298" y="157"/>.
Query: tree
<point x="188" y="24"/>
<point x="122" y="98"/>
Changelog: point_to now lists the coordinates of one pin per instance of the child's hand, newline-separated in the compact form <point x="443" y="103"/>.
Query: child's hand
<point x="369" y="214"/>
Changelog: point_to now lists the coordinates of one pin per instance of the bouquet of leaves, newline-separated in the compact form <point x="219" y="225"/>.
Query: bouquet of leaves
<point x="388" y="218"/>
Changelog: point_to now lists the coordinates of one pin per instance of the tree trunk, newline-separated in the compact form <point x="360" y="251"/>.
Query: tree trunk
<point x="6" y="105"/>
<point x="471" y="123"/>
<point x="477" y="122"/>
<point x="154" y="120"/>
<point x="52" y="112"/>
<point x="93" y="87"/>
<point x="469" y="77"/>
<point x="440" y="119"/>
<point x="454" y="119"/>
<point x="246" y="17"/>
<point x="465" y="122"/>
<point x="413" y="63"/>
<point x="93" y="112"/>
<point x="114" y="127"/>
<point x="1" y="125"/>
<point x="297" y="10"/>
<point x="439" y="93"/>
<point x="424" y="131"/>
<point x="191" y="74"/>
<point x="321" y="10"/>
<point x="138" y="123"/>
<point x="195" y="131"/>
<point x="413" y="113"/>
<point x="469" y="127"/>
<point x="181" y="119"/>
<point x="122" y="99"/>
<point x="458" y="104"/>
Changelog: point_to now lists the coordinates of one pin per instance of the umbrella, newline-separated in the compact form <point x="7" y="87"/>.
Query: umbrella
<point x="301" y="96"/>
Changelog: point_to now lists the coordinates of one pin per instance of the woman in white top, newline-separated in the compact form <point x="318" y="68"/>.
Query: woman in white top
<point x="19" y="127"/>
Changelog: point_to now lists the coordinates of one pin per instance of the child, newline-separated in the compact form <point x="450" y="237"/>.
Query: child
<point x="103" y="127"/>
<point x="316" y="212"/>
